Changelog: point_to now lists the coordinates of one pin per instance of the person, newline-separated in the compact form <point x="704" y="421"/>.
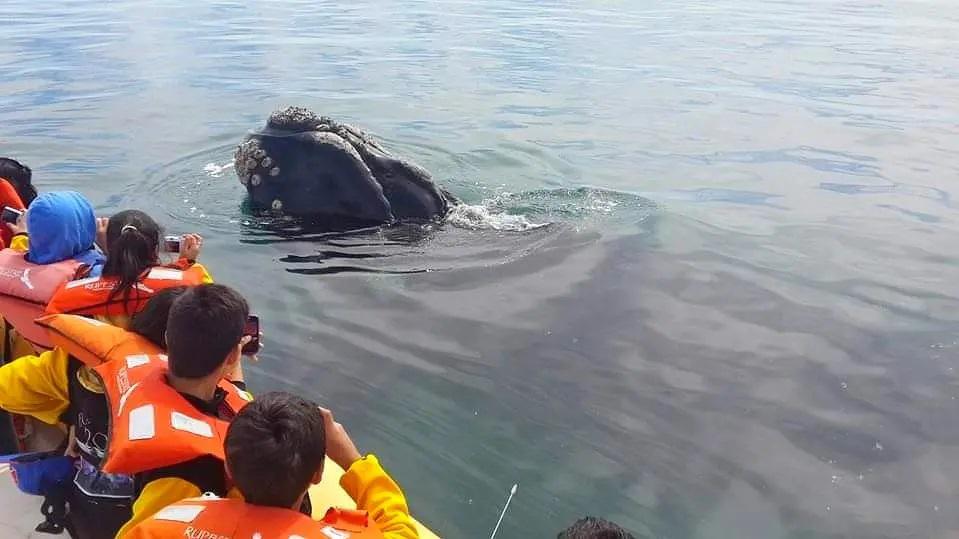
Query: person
<point x="170" y="417"/>
<point x="9" y="198"/>
<point x="20" y="177"/>
<point x="52" y="241"/>
<point x="275" y="449"/>
<point x="131" y="273"/>
<point x="59" y="386"/>
<point x="594" y="528"/>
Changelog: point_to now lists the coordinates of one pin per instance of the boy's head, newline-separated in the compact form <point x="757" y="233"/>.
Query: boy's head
<point x="594" y="528"/>
<point x="204" y="333"/>
<point x="275" y="448"/>
<point x="20" y="176"/>
<point x="152" y="320"/>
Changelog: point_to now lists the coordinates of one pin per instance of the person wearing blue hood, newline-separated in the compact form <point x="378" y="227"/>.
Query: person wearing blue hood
<point x="58" y="226"/>
<point x="53" y="241"/>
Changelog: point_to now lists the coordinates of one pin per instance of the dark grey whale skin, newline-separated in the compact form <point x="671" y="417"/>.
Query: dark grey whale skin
<point x="304" y="165"/>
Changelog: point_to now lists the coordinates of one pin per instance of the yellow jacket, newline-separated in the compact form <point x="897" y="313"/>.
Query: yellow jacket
<point x="365" y="481"/>
<point x="36" y="385"/>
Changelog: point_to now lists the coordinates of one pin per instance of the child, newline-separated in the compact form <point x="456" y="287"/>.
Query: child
<point x="275" y="449"/>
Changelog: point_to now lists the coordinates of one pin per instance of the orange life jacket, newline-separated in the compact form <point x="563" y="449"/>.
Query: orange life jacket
<point x="91" y="296"/>
<point x="25" y="289"/>
<point x="151" y="424"/>
<point x="94" y="342"/>
<point x="218" y="518"/>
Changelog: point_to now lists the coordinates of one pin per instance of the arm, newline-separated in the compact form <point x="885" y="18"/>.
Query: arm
<point x="189" y="252"/>
<point x="36" y="386"/>
<point x="156" y="495"/>
<point x="367" y="483"/>
<point x="374" y="491"/>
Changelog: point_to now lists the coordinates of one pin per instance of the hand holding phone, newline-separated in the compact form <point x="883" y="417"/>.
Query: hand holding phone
<point x="190" y="248"/>
<point x="14" y="220"/>
<point x="252" y="330"/>
<point x="10" y="215"/>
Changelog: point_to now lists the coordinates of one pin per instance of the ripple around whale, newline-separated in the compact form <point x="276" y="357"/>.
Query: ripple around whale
<point x="492" y="226"/>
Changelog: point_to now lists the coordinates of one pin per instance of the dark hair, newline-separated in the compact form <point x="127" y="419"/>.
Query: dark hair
<point x="133" y="240"/>
<point x="151" y="321"/>
<point x="274" y="446"/>
<point x="206" y="323"/>
<point x="594" y="528"/>
<point x="19" y="175"/>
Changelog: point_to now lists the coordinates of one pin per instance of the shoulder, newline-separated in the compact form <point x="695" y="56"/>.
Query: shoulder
<point x="206" y="473"/>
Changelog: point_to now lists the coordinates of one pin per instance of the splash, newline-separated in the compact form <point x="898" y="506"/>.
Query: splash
<point x="479" y="217"/>
<point x="214" y="170"/>
<point x="529" y="210"/>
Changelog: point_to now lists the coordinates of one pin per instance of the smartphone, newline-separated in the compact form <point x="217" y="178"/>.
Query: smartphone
<point x="252" y="328"/>
<point x="10" y="215"/>
<point x="171" y="244"/>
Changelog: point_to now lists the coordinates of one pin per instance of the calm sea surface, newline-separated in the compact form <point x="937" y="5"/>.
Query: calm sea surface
<point x="739" y="319"/>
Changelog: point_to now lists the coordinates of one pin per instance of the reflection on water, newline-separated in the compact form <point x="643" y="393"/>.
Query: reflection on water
<point x="704" y="282"/>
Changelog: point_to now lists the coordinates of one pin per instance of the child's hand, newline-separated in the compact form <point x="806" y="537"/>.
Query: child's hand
<point x="190" y="249"/>
<point x="339" y="447"/>
<point x="102" y="223"/>
<point x="20" y="227"/>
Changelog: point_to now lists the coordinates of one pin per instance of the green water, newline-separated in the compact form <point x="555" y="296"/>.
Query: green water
<point x="737" y="320"/>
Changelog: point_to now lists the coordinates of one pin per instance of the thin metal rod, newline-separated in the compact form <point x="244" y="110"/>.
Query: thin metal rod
<point x="503" y="514"/>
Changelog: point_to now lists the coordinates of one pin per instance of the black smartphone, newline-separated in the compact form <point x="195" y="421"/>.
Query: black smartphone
<point x="171" y="244"/>
<point x="252" y="329"/>
<point x="10" y="215"/>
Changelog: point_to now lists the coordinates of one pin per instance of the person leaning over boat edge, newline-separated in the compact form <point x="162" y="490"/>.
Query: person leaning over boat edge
<point x="275" y="449"/>
<point x="20" y="177"/>
<point x="16" y="191"/>
<point x="120" y="286"/>
<point x="63" y="227"/>
<point x="58" y="386"/>
<point x="167" y="423"/>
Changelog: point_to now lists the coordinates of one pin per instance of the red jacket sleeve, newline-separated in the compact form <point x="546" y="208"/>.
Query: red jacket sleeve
<point x="8" y="197"/>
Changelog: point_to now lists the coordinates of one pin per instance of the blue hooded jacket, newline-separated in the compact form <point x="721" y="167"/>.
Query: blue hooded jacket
<point x="62" y="225"/>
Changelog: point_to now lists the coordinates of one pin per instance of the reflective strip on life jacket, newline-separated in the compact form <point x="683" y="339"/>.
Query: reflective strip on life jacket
<point x="151" y="424"/>
<point x="25" y="289"/>
<point x="91" y="296"/>
<point x="218" y="518"/>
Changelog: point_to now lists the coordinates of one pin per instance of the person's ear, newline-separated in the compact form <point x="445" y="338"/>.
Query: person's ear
<point x="318" y="476"/>
<point x="231" y="359"/>
<point x="236" y="354"/>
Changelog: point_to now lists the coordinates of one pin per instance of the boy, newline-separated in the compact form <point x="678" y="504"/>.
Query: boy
<point x="169" y="416"/>
<point x="275" y="449"/>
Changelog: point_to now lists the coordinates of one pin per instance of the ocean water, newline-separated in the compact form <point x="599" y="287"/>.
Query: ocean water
<point x="705" y="284"/>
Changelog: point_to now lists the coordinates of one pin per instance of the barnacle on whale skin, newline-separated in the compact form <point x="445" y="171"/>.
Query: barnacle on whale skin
<point x="246" y="160"/>
<point x="294" y="119"/>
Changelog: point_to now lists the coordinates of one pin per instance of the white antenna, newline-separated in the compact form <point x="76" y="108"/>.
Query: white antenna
<point x="503" y="514"/>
